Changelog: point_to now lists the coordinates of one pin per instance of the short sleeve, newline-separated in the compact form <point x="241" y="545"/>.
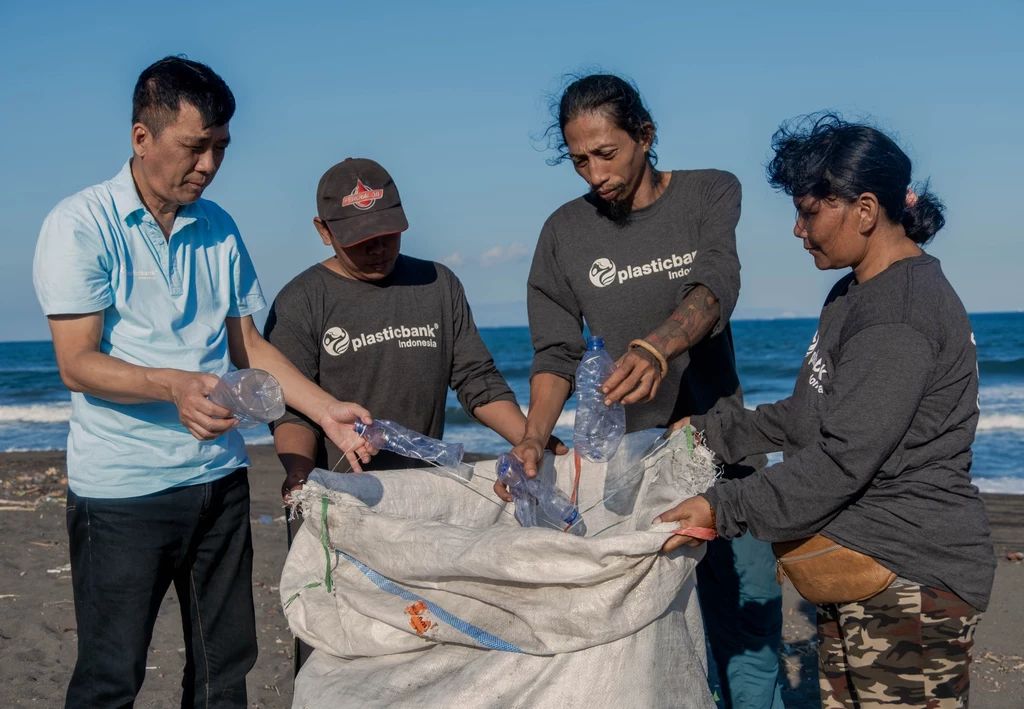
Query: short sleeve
<point x="475" y="378"/>
<point x="246" y="294"/>
<point x="71" y="270"/>
<point x="290" y="329"/>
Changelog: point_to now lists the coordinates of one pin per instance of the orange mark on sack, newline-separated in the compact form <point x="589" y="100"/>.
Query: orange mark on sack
<point x="417" y="608"/>
<point x="420" y="625"/>
<point x="416" y="619"/>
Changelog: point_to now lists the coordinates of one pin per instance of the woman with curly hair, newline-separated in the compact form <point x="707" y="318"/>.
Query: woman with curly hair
<point x="872" y="512"/>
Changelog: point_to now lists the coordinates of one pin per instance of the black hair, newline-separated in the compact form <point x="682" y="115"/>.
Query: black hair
<point x="616" y="98"/>
<point x="162" y="87"/>
<point x="822" y="155"/>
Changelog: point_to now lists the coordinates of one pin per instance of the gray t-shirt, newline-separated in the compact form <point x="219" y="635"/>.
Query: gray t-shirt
<point x="876" y="436"/>
<point x="625" y="281"/>
<point x="394" y="346"/>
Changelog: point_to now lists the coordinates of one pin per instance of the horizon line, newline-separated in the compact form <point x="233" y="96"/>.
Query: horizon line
<point x="732" y="320"/>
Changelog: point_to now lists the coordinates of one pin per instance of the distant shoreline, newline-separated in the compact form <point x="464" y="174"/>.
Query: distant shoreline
<point x="766" y="318"/>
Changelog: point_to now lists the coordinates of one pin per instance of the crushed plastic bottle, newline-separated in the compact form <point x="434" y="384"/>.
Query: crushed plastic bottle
<point x="388" y="435"/>
<point x="253" y="396"/>
<point x="599" y="428"/>
<point x="530" y="493"/>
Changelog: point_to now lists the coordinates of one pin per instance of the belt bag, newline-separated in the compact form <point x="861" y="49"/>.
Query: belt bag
<point x="823" y="571"/>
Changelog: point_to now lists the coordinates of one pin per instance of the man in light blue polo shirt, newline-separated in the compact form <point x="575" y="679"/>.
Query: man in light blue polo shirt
<point x="149" y="293"/>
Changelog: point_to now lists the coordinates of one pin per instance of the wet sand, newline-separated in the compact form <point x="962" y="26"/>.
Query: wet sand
<point x="37" y="620"/>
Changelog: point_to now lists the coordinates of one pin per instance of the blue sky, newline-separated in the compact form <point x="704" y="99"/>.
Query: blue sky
<point x="450" y="97"/>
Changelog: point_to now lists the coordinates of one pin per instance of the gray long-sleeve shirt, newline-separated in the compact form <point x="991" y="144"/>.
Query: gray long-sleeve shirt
<point x="393" y="346"/>
<point x="876" y="436"/>
<point x="627" y="280"/>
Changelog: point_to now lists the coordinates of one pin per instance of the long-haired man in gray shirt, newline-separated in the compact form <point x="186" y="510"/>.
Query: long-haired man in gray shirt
<point x="648" y="260"/>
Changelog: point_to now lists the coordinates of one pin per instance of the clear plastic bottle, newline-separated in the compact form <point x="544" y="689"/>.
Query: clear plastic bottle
<point x="530" y="492"/>
<point x="390" y="436"/>
<point x="252" y="395"/>
<point x="599" y="428"/>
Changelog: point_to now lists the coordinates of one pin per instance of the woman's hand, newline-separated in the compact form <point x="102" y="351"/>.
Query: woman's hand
<point x="695" y="512"/>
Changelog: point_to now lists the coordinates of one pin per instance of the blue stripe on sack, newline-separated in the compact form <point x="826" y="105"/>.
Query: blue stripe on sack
<point x="385" y="584"/>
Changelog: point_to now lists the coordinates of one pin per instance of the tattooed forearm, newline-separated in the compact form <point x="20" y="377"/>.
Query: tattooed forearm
<point x="691" y="322"/>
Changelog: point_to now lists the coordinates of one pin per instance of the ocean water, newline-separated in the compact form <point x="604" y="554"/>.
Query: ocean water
<point x="35" y="406"/>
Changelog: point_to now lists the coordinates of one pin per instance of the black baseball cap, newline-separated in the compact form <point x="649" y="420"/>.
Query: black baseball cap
<point x="359" y="200"/>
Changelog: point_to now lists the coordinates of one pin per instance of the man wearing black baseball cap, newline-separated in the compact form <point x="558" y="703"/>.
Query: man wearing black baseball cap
<point x="357" y="200"/>
<point x="390" y="331"/>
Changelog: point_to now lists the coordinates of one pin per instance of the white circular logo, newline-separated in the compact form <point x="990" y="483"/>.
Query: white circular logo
<point x="336" y="341"/>
<point x="602" y="273"/>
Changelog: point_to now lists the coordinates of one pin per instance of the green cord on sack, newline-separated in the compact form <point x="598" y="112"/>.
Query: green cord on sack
<point x="299" y="593"/>
<point x="328" y="583"/>
<point x="689" y="440"/>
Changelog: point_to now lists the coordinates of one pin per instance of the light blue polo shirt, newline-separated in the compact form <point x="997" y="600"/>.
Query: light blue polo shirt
<point x="164" y="304"/>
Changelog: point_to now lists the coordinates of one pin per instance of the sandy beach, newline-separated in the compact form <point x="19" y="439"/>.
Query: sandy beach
<point x="37" y="621"/>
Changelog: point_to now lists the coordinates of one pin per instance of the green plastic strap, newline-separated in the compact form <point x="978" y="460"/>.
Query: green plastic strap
<point x="328" y="583"/>
<point x="689" y="440"/>
<point x="298" y="593"/>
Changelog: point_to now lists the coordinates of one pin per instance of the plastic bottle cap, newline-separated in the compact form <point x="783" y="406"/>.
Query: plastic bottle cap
<point x="360" y="427"/>
<point x="595" y="343"/>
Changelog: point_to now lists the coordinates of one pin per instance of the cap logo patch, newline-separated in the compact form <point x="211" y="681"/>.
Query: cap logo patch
<point x="362" y="197"/>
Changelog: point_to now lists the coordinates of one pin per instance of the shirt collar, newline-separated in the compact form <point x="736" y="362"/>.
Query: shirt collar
<point x="129" y="204"/>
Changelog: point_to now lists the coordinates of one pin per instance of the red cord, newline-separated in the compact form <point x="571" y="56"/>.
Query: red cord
<point x="697" y="533"/>
<point x="575" y="484"/>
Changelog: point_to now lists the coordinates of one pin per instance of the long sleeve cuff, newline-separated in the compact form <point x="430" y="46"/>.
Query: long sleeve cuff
<point x="728" y="521"/>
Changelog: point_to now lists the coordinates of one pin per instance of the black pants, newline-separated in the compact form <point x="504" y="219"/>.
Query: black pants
<point x="125" y="553"/>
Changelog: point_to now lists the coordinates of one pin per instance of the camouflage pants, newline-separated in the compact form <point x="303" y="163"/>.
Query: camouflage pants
<point x="909" y="647"/>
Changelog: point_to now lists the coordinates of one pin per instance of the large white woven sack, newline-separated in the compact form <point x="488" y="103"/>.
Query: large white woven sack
<point x="420" y="590"/>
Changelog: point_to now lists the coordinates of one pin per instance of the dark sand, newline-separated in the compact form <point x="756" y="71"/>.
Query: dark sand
<point x="37" y="620"/>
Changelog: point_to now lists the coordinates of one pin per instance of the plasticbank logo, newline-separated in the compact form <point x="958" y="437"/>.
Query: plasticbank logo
<point x="603" y="271"/>
<point x="142" y="275"/>
<point x="337" y="341"/>
<point x="819" y="370"/>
